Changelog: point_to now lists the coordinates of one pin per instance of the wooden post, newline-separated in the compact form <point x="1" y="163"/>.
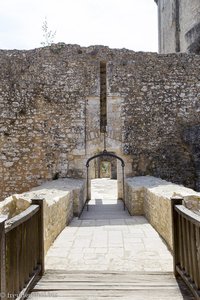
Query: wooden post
<point x="87" y="187"/>
<point x="176" y="200"/>
<point x="3" y="294"/>
<point x="123" y="183"/>
<point x="40" y="202"/>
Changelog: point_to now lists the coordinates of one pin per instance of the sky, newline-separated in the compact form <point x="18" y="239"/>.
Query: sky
<point x="130" y="24"/>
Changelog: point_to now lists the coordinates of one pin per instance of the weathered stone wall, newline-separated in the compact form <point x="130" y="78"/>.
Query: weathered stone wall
<point x="190" y="25"/>
<point x="42" y="100"/>
<point x="167" y="26"/>
<point x="50" y="114"/>
<point x="151" y="196"/>
<point x="160" y="114"/>
<point x="63" y="198"/>
<point x="179" y="26"/>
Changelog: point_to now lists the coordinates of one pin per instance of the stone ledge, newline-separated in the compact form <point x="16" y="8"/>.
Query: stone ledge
<point x="63" y="199"/>
<point x="151" y="196"/>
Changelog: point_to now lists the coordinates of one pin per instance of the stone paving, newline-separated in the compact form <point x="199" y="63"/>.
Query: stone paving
<point x="107" y="238"/>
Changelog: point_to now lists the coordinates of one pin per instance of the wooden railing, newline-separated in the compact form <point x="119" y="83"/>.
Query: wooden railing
<point x="186" y="245"/>
<point x="22" y="251"/>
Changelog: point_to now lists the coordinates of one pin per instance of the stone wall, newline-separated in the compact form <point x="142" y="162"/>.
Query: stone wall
<point x="160" y="114"/>
<point x="151" y="196"/>
<point x="42" y="101"/>
<point x="190" y="25"/>
<point x="167" y="26"/>
<point x="50" y="114"/>
<point x="179" y="26"/>
<point x="63" y="198"/>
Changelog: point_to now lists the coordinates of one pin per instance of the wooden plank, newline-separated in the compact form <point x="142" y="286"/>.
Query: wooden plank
<point x="185" y="291"/>
<point x="105" y="272"/>
<point x="29" y="248"/>
<point x="14" y="267"/>
<point x="35" y="241"/>
<point x="189" y="251"/>
<point x="57" y="272"/>
<point x="182" y="237"/>
<point x="9" y="261"/>
<point x="132" y="281"/>
<point x="82" y="285"/>
<point x="197" y="234"/>
<point x="31" y="242"/>
<point x="128" y="295"/>
<point x="111" y="278"/>
<point x="18" y="246"/>
<point x="132" y="285"/>
<point x="21" y="256"/>
<point x="25" y="273"/>
<point x="180" y="241"/>
<point x="175" y="231"/>
<point x="41" y="258"/>
<point x="195" y="270"/>
<point x="188" y="214"/>
<point x="119" y="295"/>
<point x="190" y="285"/>
<point x="185" y="254"/>
<point x="132" y="293"/>
<point x="98" y="285"/>
<point x="21" y="218"/>
<point x="24" y="292"/>
<point x="3" y="258"/>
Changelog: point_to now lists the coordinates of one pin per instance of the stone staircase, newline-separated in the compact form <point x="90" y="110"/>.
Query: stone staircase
<point x="108" y="285"/>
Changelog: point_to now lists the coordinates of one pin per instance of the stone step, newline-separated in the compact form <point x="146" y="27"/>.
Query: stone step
<point x="105" y="211"/>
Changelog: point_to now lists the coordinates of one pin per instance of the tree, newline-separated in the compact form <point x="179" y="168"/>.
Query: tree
<point x="48" y="35"/>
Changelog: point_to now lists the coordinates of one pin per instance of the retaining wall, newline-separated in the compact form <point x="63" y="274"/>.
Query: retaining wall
<point x="63" y="198"/>
<point x="150" y="196"/>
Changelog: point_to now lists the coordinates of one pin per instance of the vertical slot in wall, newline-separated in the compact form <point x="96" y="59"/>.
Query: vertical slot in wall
<point x="103" y="97"/>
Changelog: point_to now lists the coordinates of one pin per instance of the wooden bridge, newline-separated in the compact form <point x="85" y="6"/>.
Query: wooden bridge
<point x="23" y="264"/>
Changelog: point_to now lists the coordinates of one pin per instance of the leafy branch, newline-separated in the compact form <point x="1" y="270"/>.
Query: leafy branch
<point x="48" y="35"/>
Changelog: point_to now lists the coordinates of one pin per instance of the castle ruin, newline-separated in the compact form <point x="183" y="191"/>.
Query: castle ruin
<point x="62" y="104"/>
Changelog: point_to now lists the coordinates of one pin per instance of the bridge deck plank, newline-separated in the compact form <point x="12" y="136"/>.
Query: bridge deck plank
<point x="121" y="285"/>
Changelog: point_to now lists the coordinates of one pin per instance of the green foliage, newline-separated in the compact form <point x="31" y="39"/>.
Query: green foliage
<point x="48" y="35"/>
<point x="104" y="166"/>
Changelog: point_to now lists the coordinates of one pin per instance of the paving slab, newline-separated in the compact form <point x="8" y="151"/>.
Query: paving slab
<point x="107" y="238"/>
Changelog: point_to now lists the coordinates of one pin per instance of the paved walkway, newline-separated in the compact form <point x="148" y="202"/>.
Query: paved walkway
<point x="108" y="238"/>
<point x="109" y="254"/>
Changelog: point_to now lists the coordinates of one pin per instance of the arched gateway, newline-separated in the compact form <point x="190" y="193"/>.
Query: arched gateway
<point x="105" y="153"/>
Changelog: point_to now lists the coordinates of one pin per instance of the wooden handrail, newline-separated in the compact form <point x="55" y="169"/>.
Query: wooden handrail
<point x="22" y="251"/>
<point x="186" y="245"/>
<point x="21" y="218"/>
<point x="188" y="214"/>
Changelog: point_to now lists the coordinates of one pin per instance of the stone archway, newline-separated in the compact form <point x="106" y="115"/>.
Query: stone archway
<point x="105" y="155"/>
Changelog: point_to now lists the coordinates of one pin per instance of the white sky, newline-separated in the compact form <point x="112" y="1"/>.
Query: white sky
<point x="130" y="24"/>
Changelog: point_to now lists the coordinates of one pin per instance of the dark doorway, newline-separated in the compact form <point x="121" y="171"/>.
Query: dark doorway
<point x="106" y="168"/>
